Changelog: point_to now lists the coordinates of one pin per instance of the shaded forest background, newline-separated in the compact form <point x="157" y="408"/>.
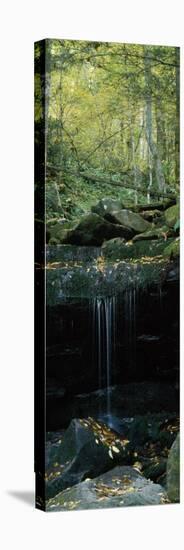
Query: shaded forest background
<point x="111" y="122"/>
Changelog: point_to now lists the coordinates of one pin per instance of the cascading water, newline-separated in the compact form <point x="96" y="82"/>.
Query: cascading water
<point x="130" y="299"/>
<point x="104" y="331"/>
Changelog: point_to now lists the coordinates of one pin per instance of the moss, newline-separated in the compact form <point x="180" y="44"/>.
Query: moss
<point x="173" y="249"/>
<point x="172" y="215"/>
<point x="78" y="281"/>
<point x="152" y="234"/>
<point x="115" y="249"/>
<point x="54" y="241"/>
<point x="58" y="232"/>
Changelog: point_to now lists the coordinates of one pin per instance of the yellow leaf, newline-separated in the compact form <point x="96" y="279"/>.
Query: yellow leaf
<point x="115" y="449"/>
<point x="110" y="454"/>
<point x="125" y="442"/>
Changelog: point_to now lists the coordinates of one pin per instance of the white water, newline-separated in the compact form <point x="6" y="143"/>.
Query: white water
<point x="104" y="330"/>
<point x="130" y="333"/>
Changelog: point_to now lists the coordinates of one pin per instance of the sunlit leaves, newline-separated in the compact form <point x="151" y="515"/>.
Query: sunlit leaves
<point x="119" y="487"/>
<point x="96" y="90"/>
<point x="106" y="436"/>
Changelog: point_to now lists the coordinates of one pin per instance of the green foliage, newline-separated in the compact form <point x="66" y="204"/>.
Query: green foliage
<point x="96" y="121"/>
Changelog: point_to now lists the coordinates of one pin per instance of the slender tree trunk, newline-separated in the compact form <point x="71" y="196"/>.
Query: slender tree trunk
<point x="149" y="130"/>
<point x="150" y="176"/>
<point x="134" y="164"/>
<point x="161" y="132"/>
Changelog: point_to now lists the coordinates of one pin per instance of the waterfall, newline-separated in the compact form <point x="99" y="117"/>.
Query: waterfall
<point x="72" y="253"/>
<point x="104" y="332"/>
<point x="130" y="327"/>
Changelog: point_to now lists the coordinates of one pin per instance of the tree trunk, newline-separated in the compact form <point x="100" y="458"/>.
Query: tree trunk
<point x="149" y="130"/>
<point x="161" y="131"/>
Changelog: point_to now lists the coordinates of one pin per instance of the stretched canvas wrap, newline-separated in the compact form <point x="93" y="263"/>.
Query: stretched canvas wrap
<point x="106" y="274"/>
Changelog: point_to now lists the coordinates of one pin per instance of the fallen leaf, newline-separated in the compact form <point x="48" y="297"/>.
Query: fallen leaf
<point x="115" y="449"/>
<point x="125" y="442"/>
<point x="110" y="454"/>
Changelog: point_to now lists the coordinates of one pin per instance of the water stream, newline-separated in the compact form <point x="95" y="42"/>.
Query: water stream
<point x="108" y="325"/>
<point x="104" y="342"/>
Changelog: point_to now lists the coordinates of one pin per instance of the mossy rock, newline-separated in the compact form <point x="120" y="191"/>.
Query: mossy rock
<point x="58" y="232"/>
<point x="117" y="249"/>
<point x="172" y="215"/>
<point x="93" y="230"/>
<point x="172" y="249"/>
<point x="129" y="219"/>
<point x="151" y="215"/>
<point x="162" y="232"/>
<point x="155" y="470"/>
<point x="53" y="241"/>
<point x="173" y="471"/>
<point x="106" y="205"/>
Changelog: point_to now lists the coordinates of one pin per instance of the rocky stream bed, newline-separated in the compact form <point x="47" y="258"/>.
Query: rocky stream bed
<point x="112" y="358"/>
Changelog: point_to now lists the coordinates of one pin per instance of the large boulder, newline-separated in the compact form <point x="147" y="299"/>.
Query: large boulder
<point x="129" y="219"/>
<point x="172" y="215"/>
<point x="94" y="230"/>
<point x="87" y="449"/>
<point x="106" y="205"/>
<point x="173" y="472"/>
<point x="121" y="486"/>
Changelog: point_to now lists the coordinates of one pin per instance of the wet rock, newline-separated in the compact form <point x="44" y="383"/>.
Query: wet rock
<point x="106" y="205"/>
<point x="129" y="219"/>
<point x="156" y="469"/>
<point x="87" y="449"/>
<point x="173" y="472"/>
<point x="66" y="253"/>
<point x="121" y="486"/>
<point x="93" y="230"/>
<point x="139" y="246"/>
<point x="129" y="400"/>
<point x="173" y="272"/>
<point x="104" y="279"/>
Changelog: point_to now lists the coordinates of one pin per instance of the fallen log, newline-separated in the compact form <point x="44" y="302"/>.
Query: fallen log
<point x="117" y="183"/>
